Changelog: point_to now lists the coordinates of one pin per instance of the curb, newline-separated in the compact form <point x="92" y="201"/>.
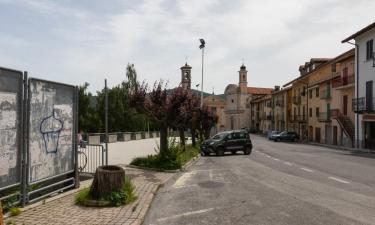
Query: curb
<point x="183" y="168"/>
<point x="342" y="148"/>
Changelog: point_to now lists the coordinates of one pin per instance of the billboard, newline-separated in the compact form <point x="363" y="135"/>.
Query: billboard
<point x="10" y="127"/>
<point x="51" y="129"/>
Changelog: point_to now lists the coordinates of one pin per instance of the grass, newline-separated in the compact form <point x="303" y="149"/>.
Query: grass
<point x="14" y="211"/>
<point x="120" y="197"/>
<point x="175" y="159"/>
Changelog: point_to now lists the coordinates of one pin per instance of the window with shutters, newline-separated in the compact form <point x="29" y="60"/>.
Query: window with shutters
<point x="370" y="49"/>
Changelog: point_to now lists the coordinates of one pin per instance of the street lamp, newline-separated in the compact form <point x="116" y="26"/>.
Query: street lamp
<point x="197" y="85"/>
<point x="201" y="46"/>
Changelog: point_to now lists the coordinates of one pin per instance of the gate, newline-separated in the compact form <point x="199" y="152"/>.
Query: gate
<point x="89" y="158"/>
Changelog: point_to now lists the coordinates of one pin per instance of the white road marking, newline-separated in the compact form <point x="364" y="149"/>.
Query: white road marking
<point x="185" y="214"/>
<point x="181" y="181"/>
<point x="308" y="170"/>
<point x="339" y="180"/>
<point x="276" y="159"/>
<point x="288" y="163"/>
<point x="268" y="156"/>
<point x="184" y="186"/>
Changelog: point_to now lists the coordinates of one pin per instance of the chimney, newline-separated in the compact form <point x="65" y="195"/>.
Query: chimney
<point x="277" y="88"/>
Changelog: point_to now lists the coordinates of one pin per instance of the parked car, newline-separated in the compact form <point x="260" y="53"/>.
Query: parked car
<point x="228" y="141"/>
<point x="286" y="136"/>
<point x="271" y="134"/>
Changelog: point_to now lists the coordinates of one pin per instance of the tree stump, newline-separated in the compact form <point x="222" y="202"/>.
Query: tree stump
<point x="1" y="215"/>
<point x="106" y="180"/>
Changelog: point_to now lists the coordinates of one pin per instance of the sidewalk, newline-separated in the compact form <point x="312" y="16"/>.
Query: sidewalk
<point x="61" y="210"/>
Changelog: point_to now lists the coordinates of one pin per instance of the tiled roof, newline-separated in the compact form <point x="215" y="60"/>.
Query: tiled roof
<point x="258" y="90"/>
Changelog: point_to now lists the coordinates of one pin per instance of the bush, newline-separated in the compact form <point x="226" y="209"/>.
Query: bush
<point x="120" y="197"/>
<point x="175" y="158"/>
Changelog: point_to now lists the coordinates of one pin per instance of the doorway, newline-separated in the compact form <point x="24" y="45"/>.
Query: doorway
<point x="317" y="134"/>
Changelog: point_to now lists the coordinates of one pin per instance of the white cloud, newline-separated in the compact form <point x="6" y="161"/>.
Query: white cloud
<point x="77" y="44"/>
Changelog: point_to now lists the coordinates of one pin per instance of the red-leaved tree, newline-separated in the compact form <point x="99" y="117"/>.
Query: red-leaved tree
<point x="155" y="105"/>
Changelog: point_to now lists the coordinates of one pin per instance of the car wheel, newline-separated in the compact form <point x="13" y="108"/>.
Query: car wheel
<point x="247" y="151"/>
<point x="233" y="152"/>
<point x="275" y="140"/>
<point x="203" y="154"/>
<point x="220" y="152"/>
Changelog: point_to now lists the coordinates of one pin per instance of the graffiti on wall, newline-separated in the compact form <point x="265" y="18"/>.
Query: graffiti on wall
<point x="51" y="130"/>
<point x="8" y="136"/>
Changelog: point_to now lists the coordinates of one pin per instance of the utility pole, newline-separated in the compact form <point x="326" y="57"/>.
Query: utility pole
<point x="203" y="44"/>
<point x="106" y="120"/>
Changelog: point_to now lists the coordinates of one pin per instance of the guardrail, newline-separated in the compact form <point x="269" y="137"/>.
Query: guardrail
<point x="98" y="138"/>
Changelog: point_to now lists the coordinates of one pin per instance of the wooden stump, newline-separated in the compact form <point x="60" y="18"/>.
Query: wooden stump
<point x="1" y="215"/>
<point x="106" y="180"/>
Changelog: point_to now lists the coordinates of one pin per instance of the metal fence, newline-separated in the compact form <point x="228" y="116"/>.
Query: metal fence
<point x="89" y="158"/>
<point x="38" y="144"/>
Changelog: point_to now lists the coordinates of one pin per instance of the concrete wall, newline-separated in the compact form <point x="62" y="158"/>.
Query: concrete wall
<point x="366" y="73"/>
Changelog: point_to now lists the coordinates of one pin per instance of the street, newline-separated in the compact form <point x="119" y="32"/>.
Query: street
<point x="279" y="183"/>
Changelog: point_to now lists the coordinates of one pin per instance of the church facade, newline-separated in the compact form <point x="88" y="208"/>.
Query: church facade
<point x="233" y="108"/>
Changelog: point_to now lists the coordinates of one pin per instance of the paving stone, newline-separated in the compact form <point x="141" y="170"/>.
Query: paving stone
<point x="62" y="210"/>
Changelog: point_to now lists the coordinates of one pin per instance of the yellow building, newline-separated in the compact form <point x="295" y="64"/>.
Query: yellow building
<point x="320" y="110"/>
<point x="310" y="72"/>
<point x="280" y="107"/>
<point x="342" y="112"/>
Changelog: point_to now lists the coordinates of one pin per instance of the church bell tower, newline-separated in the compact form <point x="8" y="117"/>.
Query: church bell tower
<point x="243" y="79"/>
<point x="186" y="77"/>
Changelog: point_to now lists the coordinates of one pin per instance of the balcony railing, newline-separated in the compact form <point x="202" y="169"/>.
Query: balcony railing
<point x="324" y="117"/>
<point x="343" y="81"/>
<point x="269" y="117"/>
<point x="298" y="118"/>
<point x="325" y="94"/>
<point x="280" y="117"/>
<point x="279" y="103"/>
<point x="335" y="113"/>
<point x="364" y="104"/>
<point x="296" y="100"/>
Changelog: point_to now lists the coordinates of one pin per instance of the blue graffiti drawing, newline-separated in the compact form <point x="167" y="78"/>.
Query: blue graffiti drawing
<point x="50" y="128"/>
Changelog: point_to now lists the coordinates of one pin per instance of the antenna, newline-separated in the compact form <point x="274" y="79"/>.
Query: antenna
<point x="186" y="58"/>
<point x="243" y="61"/>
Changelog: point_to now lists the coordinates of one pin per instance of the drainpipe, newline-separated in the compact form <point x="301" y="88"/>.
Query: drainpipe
<point x="357" y="92"/>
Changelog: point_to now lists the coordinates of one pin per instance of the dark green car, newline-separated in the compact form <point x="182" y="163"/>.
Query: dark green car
<point x="228" y="141"/>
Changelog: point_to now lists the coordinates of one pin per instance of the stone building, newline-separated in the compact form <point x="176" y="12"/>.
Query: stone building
<point x="236" y="103"/>
<point x="233" y="107"/>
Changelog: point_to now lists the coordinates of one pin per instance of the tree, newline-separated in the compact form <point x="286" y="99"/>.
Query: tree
<point x="88" y="118"/>
<point x="208" y="119"/>
<point x="180" y="111"/>
<point x="155" y="106"/>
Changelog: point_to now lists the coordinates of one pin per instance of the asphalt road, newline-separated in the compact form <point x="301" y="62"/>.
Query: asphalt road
<point x="279" y="183"/>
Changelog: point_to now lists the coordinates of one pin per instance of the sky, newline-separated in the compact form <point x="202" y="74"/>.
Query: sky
<point x="78" y="41"/>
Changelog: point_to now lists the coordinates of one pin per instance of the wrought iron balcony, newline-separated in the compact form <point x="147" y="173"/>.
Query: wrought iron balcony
<point x="279" y="103"/>
<point x="324" y="117"/>
<point x="325" y="94"/>
<point x="296" y="100"/>
<point x="364" y="104"/>
<point x="298" y="118"/>
<point x="343" y="81"/>
<point x="269" y="104"/>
